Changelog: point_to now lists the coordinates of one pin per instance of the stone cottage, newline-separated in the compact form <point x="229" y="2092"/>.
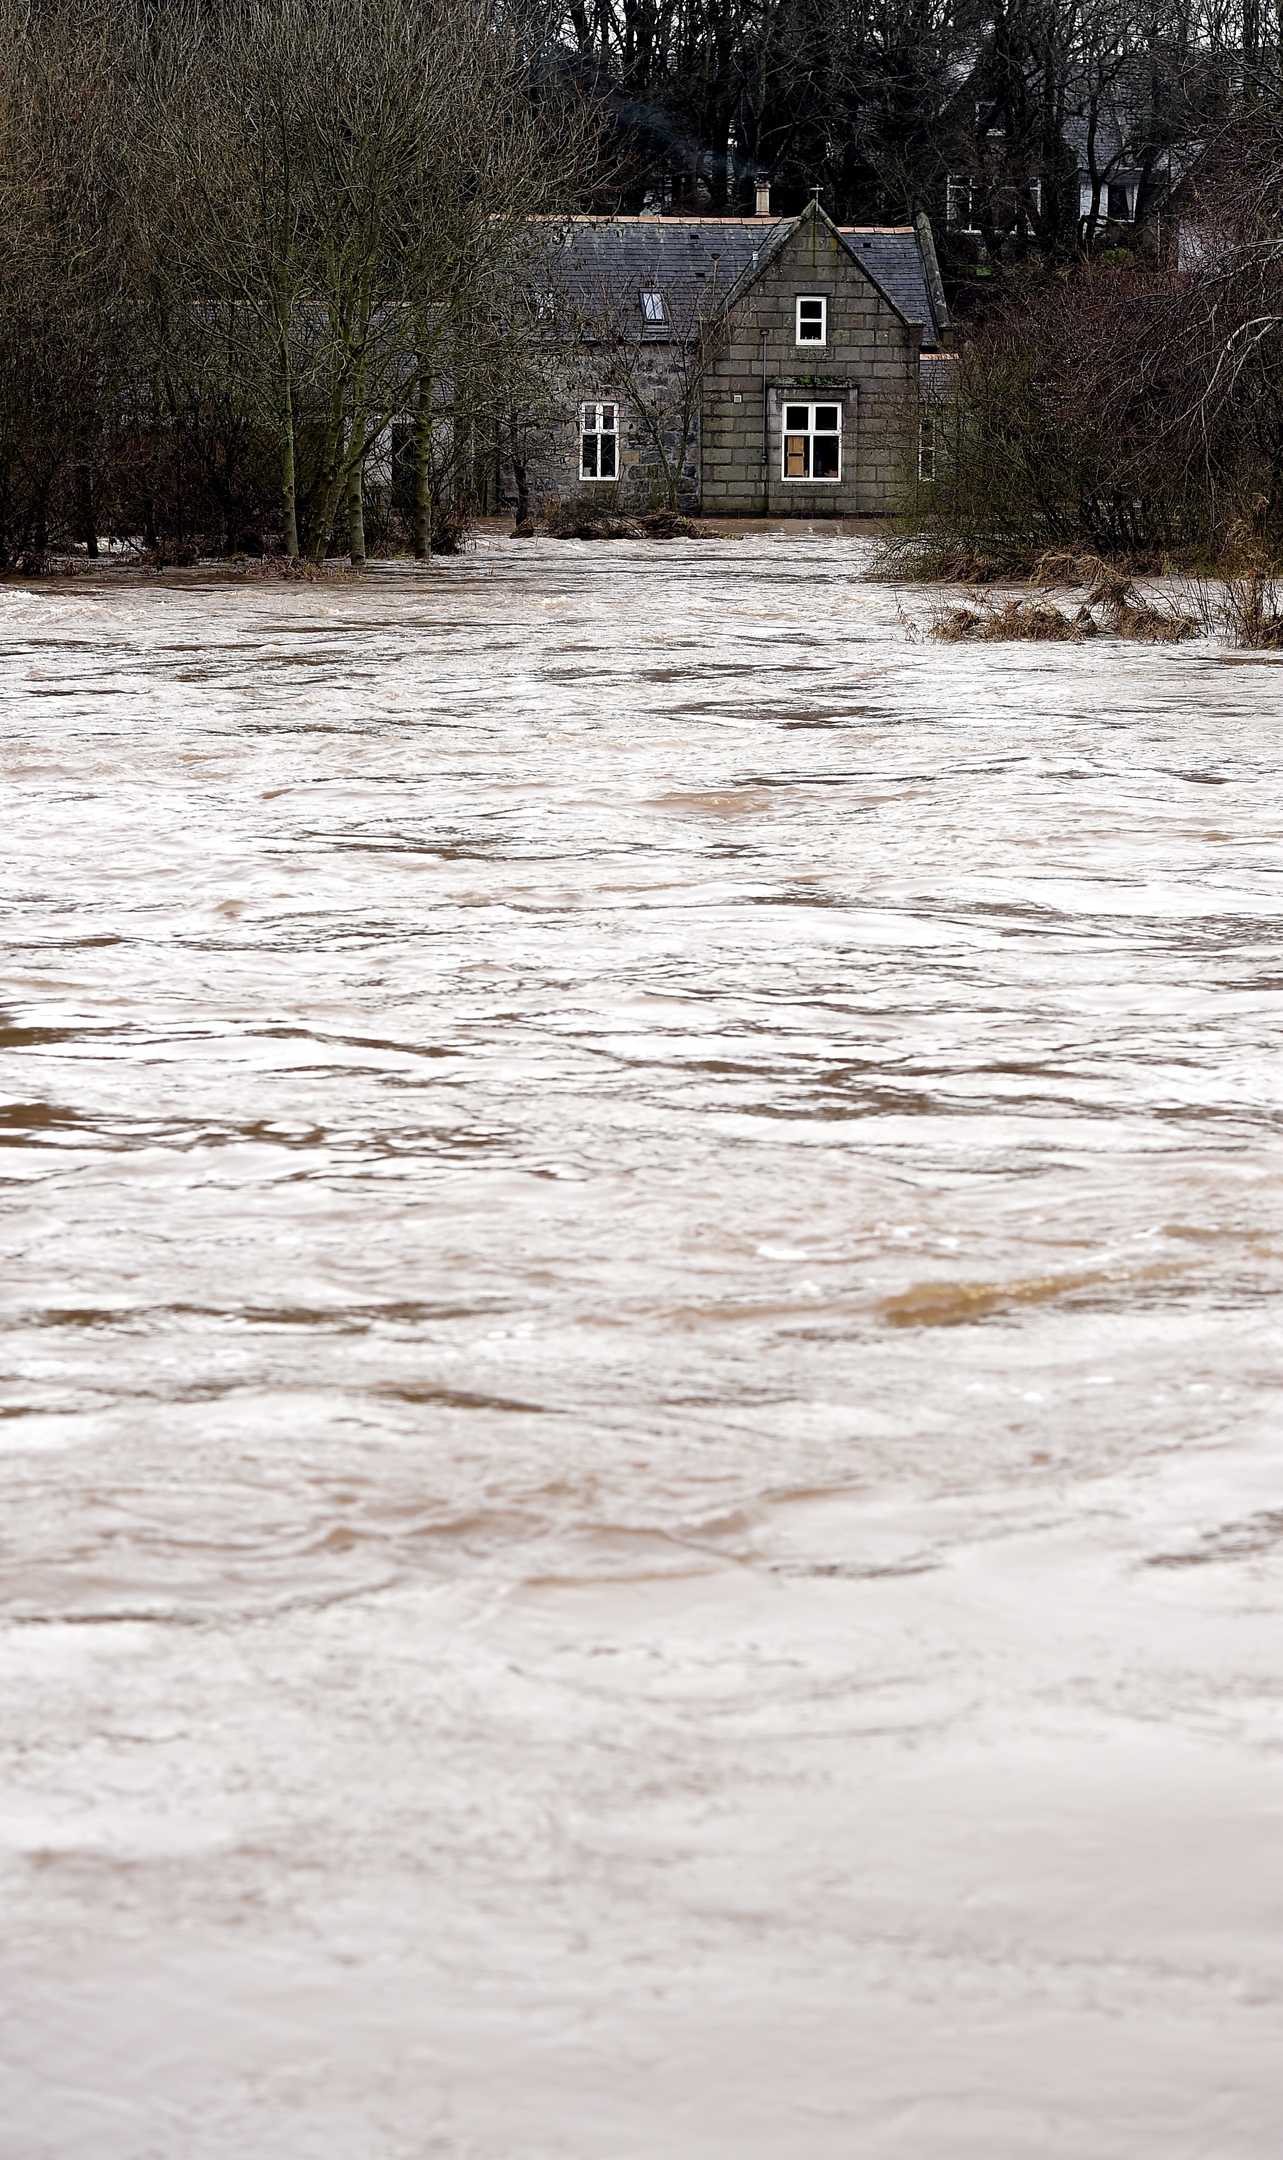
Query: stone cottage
<point x="744" y="367"/>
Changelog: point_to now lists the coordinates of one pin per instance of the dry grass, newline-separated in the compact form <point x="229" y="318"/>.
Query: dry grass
<point x="1034" y="620"/>
<point x="1112" y="605"/>
<point x="1055" y="568"/>
<point x="1134" y="618"/>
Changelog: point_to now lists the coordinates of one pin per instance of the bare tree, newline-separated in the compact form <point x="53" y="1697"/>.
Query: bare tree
<point x="66" y="108"/>
<point x="346" y="177"/>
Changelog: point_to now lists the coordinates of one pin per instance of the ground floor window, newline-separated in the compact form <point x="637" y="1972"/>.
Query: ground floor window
<point x="926" y="445"/>
<point x="1118" y="203"/>
<point x="599" y="442"/>
<point x="813" y="442"/>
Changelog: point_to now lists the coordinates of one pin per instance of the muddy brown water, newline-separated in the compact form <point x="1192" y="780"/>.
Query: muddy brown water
<point x="641" y="1430"/>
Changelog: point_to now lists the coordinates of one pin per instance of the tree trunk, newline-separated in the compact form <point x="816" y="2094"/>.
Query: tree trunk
<point x="521" y="477"/>
<point x="289" y="504"/>
<point x="422" y="456"/>
<point x="356" y="512"/>
<point x="86" y="513"/>
<point x="356" y="472"/>
<point x="332" y="484"/>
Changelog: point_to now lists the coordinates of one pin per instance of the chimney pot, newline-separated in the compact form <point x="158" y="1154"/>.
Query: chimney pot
<point x="763" y="196"/>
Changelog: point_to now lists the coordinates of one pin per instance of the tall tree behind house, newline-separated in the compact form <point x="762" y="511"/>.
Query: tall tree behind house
<point x="880" y="102"/>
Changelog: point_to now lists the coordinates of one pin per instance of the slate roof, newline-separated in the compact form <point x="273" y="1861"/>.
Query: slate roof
<point x="894" y="255"/>
<point x="693" y="260"/>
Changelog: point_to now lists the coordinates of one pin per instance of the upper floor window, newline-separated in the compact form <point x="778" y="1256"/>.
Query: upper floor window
<point x="654" y="310"/>
<point x="972" y="204"/>
<point x="599" y="442"/>
<point x="812" y="442"/>
<point x="812" y="320"/>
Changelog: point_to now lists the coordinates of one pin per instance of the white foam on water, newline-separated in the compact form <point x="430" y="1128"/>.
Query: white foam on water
<point x="641" y="1404"/>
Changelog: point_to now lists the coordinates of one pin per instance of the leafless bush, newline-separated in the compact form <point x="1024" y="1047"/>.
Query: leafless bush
<point x="296" y="570"/>
<point x="671" y="525"/>
<point x="583" y="518"/>
<point x="1130" y="414"/>
<point x="170" y="555"/>
<point x="451" y="527"/>
<point x="937" y="558"/>
<point x="1251" y="611"/>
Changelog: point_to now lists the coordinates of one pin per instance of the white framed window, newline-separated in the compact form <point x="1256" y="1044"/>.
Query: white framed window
<point x="1119" y="201"/>
<point x="969" y="203"/>
<point x="654" y="309"/>
<point x="812" y="319"/>
<point x="599" y="442"/>
<point x="926" y="444"/>
<point x="812" y="442"/>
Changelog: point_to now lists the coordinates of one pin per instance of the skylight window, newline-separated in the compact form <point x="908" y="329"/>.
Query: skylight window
<point x="654" y="310"/>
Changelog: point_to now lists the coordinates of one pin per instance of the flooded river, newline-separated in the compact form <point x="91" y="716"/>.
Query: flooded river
<point x="642" y="1444"/>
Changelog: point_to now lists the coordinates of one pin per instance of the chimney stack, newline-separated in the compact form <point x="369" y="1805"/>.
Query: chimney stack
<point x="763" y="196"/>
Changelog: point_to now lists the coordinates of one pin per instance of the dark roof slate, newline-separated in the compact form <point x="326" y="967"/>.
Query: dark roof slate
<point x="692" y="260"/>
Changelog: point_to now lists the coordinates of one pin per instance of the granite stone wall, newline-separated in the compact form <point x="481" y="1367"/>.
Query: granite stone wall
<point x="554" y="471"/>
<point x="869" y="364"/>
<point x="753" y="367"/>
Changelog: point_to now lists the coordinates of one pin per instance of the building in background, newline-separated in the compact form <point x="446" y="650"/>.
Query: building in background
<point x="739" y="366"/>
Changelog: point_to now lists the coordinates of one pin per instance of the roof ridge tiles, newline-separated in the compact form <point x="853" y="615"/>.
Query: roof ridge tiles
<point x="626" y="217"/>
